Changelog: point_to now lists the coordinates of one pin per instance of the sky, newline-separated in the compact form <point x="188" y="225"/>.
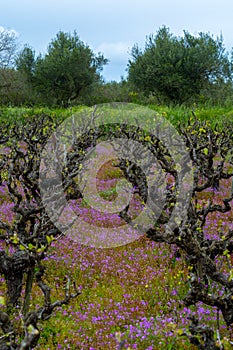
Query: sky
<point x="113" y="27"/>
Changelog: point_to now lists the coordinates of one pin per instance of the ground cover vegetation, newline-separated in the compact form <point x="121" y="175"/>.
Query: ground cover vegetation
<point x="162" y="291"/>
<point x="170" y="289"/>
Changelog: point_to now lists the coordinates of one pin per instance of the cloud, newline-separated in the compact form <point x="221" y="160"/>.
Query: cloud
<point x="118" y="51"/>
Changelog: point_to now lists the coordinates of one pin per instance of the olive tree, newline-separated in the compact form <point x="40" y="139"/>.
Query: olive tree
<point x="178" y="68"/>
<point x="68" y="67"/>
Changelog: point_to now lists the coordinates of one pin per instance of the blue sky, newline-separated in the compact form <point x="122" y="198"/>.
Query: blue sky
<point x="113" y="27"/>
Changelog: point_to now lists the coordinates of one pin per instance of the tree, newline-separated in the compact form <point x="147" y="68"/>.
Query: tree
<point x="67" y="68"/>
<point x="14" y="87"/>
<point x="25" y="62"/>
<point x="8" y="46"/>
<point x="178" y="67"/>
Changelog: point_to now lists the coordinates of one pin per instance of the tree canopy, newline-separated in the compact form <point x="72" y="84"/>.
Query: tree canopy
<point x="8" y="47"/>
<point x="26" y="61"/>
<point x="179" y="67"/>
<point x="68" y="66"/>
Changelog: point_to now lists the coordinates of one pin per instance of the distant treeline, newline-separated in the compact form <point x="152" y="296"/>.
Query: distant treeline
<point x="169" y="70"/>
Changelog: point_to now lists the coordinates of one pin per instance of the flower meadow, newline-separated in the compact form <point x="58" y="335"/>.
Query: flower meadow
<point x="131" y="295"/>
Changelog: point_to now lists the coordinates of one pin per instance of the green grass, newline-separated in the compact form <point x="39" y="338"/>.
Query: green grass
<point x="21" y="114"/>
<point x="174" y="114"/>
<point x="214" y="114"/>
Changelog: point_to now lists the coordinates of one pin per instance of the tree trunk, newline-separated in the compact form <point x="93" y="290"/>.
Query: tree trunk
<point x="13" y="268"/>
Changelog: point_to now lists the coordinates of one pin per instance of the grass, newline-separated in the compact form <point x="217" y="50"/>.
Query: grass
<point x="174" y="114"/>
<point x="216" y="115"/>
<point x="13" y="115"/>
